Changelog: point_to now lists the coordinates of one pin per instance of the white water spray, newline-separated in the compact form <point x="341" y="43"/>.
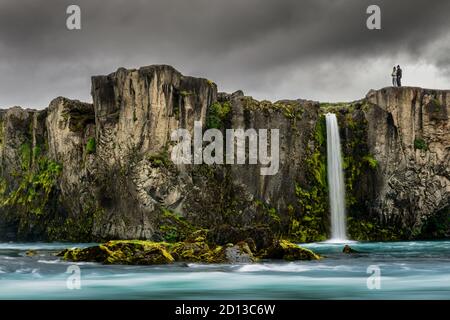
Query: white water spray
<point x="336" y="187"/>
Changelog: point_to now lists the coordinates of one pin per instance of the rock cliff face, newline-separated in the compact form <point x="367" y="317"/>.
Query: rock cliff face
<point x="409" y="134"/>
<point x="136" y="111"/>
<point x="79" y="171"/>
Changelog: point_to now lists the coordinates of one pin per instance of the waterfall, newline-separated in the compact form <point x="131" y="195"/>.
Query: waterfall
<point x="336" y="187"/>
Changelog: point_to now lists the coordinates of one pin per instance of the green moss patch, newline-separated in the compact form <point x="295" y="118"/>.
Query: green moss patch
<point x="420" y="144"/>
<point x="35" y="187"/>
<point x="310" y="224"/>
<point x="175" y="228"/>
<point x="217" y="115"/>
<point x="371" y="230"/>
<point x="90" y="146"/>
<point x="160" y="159"/>
<point x="290" y="109"/>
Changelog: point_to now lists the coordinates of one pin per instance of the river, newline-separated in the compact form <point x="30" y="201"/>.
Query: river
<point x="408" y="270"/>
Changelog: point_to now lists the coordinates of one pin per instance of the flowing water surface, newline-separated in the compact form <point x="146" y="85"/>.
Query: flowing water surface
<point x="409" y="270"/>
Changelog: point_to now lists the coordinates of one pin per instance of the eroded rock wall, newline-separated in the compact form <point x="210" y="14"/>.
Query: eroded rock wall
<point x="136" y="111"/>
<point x="409" y="134"/>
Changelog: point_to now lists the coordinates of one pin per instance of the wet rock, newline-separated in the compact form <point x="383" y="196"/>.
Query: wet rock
<point x="148" y="252"/>
<point x="258" y="237"/>
<point x="239" y="253"/>
<point x="193" y="252"/>
<point x="122" y="252"/>
<point x="348" y="249"/>
<point x="203" y="252"/>
<point x="31" y="253"/>
<point x="283" y="249"/>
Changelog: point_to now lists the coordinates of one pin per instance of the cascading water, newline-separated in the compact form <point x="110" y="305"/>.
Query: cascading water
<point x="336" y="187"/>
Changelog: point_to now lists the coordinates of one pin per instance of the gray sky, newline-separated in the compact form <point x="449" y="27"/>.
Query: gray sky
<point x="316" y="49"/>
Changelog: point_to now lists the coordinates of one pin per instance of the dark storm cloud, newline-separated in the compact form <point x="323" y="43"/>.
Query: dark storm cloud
<point x="268" y="48"/>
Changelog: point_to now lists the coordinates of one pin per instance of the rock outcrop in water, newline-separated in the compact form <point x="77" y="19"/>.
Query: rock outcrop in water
<point x="148" y="253"/>
<point x="101" y="171"/>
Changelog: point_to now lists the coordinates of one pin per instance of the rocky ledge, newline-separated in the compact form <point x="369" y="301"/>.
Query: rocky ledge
<point x="141" y="252"/>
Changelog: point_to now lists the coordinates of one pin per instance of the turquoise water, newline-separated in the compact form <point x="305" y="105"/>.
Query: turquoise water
<point x="409" y="270"/>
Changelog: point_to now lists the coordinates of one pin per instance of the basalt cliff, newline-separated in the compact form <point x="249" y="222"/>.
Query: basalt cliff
<point x="91" y="172"/>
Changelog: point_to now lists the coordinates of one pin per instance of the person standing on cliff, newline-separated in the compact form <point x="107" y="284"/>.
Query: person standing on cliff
<point x="394" y="77"/>
<point x="399" y="76"/>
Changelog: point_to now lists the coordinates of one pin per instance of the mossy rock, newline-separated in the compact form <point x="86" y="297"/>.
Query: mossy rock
<point x="138" y="252"/>
<point x="91" y="254"/>
<point x="197" y="236"/>
<point x="148" y="253"/>
<point x="198" y="251"/>
<point x="201" y="252"/>
<point x="285" y="250"/>
<point x="31" y="253"/>
<point x="347" y="249"/>
<point x="122" y="252"/>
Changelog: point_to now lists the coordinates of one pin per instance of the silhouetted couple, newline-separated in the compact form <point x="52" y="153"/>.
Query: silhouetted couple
<point x="397" y="77"/>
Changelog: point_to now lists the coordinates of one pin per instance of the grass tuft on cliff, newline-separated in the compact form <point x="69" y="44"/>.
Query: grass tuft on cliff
<point x="90" y="146"/>
<point x="217" y="115"/>
<point x="420" y="144"/>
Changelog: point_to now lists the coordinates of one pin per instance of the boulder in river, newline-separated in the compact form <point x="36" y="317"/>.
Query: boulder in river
<point x="148" y="252"/>
<point x="122" y="252"/>
<point x="283" y="249"/>
<point x="348" y="249"/>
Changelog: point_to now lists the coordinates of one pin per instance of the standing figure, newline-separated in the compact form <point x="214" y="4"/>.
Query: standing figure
<point x="394" y="77"/>
<point x="399" y="76"/>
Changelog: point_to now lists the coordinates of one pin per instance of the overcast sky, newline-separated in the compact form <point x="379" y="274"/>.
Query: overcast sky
<point x="316" y="49"/>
